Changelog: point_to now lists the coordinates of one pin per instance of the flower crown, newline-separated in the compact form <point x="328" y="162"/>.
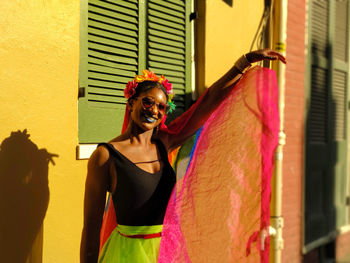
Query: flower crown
<point x="131" y="86"/>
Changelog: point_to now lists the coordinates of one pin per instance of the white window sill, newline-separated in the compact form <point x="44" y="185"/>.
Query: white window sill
<point x="84" y="151"/>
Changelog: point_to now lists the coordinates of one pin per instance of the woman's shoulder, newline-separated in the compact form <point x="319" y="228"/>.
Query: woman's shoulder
<point x="103" y="150"/>
<point x="99" y="157"/>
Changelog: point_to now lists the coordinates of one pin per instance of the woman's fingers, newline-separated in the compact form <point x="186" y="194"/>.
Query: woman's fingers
<point x="265" y="54"/>
<point x="278" y="56"/>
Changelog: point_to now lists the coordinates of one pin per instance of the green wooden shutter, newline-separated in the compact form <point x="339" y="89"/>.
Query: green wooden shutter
<point x="318" y="199"/>
<point x="340" y="73"/>
<point x="168" y="39"/>
<point x="325" y="178"/>
<point x="112" y="60"/>
<point x="122" y="38"/>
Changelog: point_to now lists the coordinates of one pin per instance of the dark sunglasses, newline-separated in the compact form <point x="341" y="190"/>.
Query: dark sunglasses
<point x="149" y="102"/>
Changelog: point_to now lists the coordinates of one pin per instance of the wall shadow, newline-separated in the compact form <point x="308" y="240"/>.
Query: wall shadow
<point x="229" y="2"/>
<point x="24" y="197"/>
<point x="319" y="206"/>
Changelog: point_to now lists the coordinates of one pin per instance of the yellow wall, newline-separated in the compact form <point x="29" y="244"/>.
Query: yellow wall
<point x="39" y="55"/>
<point x="224" y="34"/>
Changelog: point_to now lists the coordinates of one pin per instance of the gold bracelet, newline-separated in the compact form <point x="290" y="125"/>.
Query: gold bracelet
<point x="242" y="64"/>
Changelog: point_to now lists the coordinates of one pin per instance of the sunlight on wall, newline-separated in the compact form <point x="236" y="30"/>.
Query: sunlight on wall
<point x="39" y="55"/>
<point x="228" y="34"/>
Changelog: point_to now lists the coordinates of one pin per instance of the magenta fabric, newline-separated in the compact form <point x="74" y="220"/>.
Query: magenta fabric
<point x="220" y="210"/>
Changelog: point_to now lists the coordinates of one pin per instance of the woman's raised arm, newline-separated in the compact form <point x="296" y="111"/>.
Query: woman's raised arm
<point x="96" y="187"/>
<point x="216" y="94"/>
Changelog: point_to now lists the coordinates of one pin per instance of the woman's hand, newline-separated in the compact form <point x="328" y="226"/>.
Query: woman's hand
<point x="216" y="94"/>
<point x="264" y="54"/>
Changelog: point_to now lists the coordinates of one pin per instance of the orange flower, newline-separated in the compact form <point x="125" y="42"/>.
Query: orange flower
<point x="146" y="75"/>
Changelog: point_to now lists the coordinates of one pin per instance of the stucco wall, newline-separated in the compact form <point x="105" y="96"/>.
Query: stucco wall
<point x="228" y="33"/>
<point x="39" y="55"/>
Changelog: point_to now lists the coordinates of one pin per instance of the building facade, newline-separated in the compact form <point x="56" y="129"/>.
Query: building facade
<point x="315" y="167"/>
<point x="63" y="66"/>
<point x="45" y="83"/>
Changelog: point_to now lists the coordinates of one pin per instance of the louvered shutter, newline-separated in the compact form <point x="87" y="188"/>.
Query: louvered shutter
<point x="340" y="73"/>
<point x="325" y="178"/>
<point x="168" y="39"/>
<point x="123" y="38"/>
<point x="112" y="60"/>
<point x="318" y="208"/>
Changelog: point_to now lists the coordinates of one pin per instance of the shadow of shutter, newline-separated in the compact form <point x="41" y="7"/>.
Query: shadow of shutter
<point x="326" y="147"/>
<point x="319" y="211"/>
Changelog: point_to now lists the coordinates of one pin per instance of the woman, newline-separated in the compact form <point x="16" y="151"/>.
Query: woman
<point x="138" y="158"/>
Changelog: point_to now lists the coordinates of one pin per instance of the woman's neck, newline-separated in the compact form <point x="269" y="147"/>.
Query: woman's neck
<point x="137" y="136"/>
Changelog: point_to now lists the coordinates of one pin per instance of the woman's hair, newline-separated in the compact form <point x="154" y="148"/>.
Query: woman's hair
<point x="148" y="85"/>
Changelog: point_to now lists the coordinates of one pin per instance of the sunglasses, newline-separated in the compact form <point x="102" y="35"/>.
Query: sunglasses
<point x="149" y="102"/>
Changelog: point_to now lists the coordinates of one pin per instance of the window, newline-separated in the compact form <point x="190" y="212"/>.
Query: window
<point x="326" y="147"/>
<point x="120" y="38"/>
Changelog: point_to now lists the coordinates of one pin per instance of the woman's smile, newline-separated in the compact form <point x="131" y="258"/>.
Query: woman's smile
<point x="149" y="117"/>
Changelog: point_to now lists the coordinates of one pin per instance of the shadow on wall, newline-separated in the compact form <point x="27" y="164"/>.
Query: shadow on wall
<point x="24" y="197"/>
<point x="229" y="2"/>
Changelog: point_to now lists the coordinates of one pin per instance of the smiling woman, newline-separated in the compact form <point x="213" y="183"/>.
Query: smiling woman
<point x="134" y="166"/>
<point x="150" y="103"/>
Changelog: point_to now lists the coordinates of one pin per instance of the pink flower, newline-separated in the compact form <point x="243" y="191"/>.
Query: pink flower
<point x="129" y="91"/>
<point x="167" y="85"/>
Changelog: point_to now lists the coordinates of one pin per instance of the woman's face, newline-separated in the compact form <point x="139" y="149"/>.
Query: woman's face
<point x="148" y="109"/>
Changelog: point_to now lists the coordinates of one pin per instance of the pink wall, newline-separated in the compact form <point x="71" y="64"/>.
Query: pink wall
<point x="294" y="129"/>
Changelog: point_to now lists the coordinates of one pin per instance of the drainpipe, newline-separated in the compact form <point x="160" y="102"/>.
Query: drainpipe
<point x="276" y="217"/>
<point x="193" y="65"/>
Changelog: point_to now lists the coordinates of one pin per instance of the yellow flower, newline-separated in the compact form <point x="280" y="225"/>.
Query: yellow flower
<point x="146" y="75"/>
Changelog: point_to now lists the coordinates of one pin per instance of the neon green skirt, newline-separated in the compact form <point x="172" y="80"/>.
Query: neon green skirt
<point x="119" y="248"/>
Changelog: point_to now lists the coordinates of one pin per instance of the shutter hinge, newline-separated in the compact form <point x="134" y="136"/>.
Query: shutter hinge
<point x="193" y="15"/>
<point x="347" y="201"/>
<point x="81" y="92"/>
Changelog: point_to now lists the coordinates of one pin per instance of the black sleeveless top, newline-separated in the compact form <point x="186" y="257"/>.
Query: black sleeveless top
<point x="141" y="198"/>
